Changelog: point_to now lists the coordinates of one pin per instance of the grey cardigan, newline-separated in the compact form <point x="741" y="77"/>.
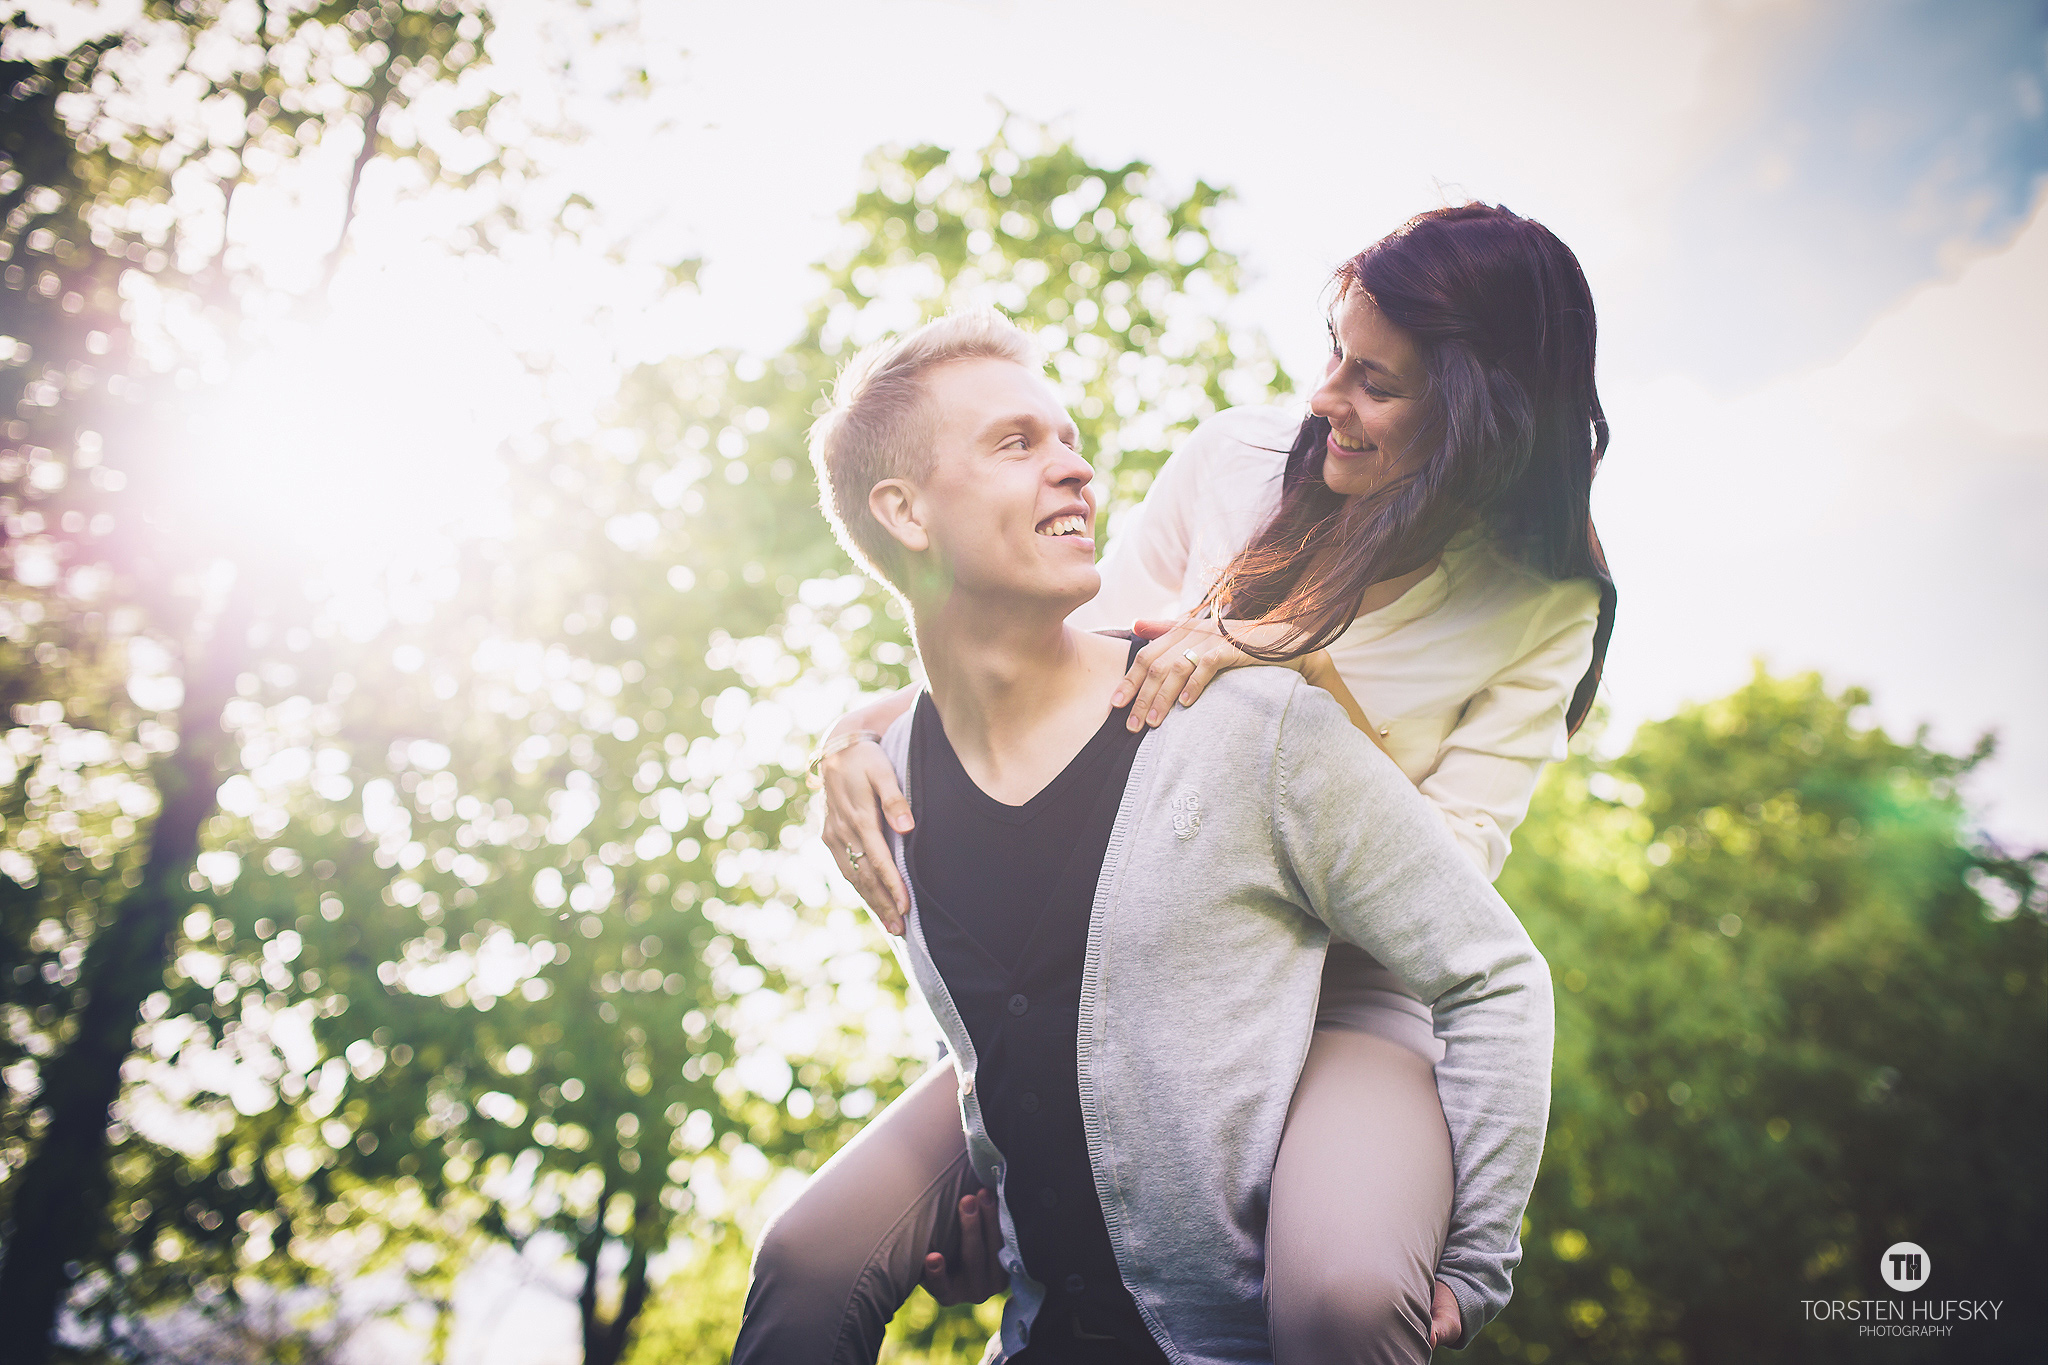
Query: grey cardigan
<point x="1254" y="825"/>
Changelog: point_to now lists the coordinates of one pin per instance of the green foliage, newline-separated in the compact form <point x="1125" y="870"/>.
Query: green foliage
<point x="697" y="1314"/>
<point x="1118" y="272"/>
<point x="125" y="626"/>
<point x="1799" y="1018"/>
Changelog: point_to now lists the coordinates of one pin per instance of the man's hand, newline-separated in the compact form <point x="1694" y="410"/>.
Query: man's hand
<point x="977" y="1275"/>
<point x="1446" y="1323"/>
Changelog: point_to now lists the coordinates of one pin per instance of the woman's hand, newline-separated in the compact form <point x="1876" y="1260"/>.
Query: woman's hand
<point x="1446" y="1323"/>
<point x="1183" y="657"/>
<point x="860" y="790"/>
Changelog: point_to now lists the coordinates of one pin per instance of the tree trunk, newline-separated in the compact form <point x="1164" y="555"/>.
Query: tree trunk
<point x="60" y="1196"/>
<point x="604" y="1342"/>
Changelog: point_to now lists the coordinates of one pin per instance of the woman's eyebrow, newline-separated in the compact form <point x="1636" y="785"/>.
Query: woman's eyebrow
<point x="1351" y="358"/>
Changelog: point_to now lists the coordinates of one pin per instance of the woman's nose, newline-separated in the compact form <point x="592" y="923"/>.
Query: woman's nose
<point x="1326" y="402"/>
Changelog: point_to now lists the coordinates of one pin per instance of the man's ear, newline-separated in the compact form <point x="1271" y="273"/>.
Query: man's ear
<point x="894" y="503"/>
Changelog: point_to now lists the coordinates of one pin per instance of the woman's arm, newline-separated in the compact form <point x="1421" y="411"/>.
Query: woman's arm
<point x="1486" y="767"/>
<point x="860" y="791"/>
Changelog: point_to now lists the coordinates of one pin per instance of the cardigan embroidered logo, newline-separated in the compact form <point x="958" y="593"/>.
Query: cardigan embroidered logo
<point x="1187" y="812"/>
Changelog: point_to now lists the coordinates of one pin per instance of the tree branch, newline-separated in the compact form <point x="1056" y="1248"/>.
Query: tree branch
<point x="381" y="89"/>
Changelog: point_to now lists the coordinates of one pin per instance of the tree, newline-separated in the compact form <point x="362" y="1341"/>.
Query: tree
<point x="1800" y="1016"/>
<point x="119" y="158"/>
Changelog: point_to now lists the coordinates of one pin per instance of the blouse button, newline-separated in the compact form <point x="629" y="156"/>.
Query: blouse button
<point x="1075" y="1284"/>
<point x="1018" y="1004"/>
<point x="1028" y="1101"/>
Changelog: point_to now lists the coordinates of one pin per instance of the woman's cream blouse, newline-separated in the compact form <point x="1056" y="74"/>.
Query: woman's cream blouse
<point x="1466" y="676"/>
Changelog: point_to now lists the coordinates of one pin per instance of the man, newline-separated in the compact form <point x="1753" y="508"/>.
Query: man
<point x="1121" y="935"/>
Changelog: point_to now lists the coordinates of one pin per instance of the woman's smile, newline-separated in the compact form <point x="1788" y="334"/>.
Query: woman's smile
<point x="1343" y="448"/>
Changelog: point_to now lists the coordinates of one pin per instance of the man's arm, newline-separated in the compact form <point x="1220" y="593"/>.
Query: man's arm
<point x="1376" y="864"/>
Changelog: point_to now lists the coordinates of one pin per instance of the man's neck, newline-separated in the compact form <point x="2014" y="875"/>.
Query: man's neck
<point x="1018" y="691"/>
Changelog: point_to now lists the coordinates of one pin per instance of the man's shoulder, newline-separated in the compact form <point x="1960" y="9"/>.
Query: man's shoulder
<point x="1253" y="698"/>
<point x="1272" y="711"/>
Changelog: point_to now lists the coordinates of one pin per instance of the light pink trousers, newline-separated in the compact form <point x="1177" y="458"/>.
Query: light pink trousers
<point x="1360" y="1204"/>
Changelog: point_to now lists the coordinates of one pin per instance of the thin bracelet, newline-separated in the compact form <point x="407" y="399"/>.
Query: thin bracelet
<point x="838" y="742"/>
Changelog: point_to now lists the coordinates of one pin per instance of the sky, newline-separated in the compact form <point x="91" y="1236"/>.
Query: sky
<point x="1814" y="231"/>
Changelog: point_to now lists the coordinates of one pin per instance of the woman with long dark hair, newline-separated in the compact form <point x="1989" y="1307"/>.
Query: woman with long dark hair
<point x="1420" y="544"/>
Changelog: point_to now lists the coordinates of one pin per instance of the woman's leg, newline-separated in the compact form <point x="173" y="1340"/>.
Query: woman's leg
<point x="1361" y="1203"/>
<point x="835" y="1266"/>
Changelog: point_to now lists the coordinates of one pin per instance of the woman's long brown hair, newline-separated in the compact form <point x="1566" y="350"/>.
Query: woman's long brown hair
<point x="1511" y="434"/>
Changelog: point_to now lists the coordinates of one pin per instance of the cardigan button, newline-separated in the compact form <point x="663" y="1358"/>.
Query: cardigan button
<point x="1048" y="1197"/>
<point x="1075" y="1284"/>
<point x="1018" y="1004"/>
<point x="1028" y="1101"/>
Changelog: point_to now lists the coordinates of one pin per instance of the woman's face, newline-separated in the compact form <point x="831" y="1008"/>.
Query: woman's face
<point x="1371" y="395"/>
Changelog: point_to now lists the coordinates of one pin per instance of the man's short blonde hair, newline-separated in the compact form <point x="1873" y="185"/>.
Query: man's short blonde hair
<point x="882" y="424"/>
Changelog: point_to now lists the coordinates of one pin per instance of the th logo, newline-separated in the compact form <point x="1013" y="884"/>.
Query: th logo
<point x="1905" y="1265"/>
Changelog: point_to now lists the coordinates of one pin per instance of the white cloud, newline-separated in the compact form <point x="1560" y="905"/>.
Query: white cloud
<point x="1880" y="519"/>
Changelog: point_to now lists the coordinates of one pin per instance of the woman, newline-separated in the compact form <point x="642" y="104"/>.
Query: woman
<point x="1424" y="536"/>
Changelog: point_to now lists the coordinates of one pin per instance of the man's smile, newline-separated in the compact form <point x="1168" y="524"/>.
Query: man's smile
<point x="1065" y="524"/>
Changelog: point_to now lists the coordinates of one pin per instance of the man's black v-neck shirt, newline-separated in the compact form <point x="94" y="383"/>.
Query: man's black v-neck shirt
<point x="1006" y="894"/>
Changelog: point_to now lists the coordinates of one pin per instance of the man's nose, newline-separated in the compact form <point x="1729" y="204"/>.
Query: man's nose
<point x="1070" y="467"/>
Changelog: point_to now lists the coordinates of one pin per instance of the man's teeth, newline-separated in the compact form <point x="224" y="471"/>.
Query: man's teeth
<point x="1064" y="526"/>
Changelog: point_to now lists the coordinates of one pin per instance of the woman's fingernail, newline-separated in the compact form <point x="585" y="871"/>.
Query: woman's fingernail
<point x="1116" y="698"/>
<point x="1187" y="699"/>
<point x="1151" y="717"/>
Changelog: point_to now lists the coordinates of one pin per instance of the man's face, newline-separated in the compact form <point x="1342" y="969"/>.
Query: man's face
<point x="1006" y="502"/>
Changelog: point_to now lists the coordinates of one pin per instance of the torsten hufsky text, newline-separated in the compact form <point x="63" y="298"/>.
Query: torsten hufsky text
<point x="1902" y="1310"/>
